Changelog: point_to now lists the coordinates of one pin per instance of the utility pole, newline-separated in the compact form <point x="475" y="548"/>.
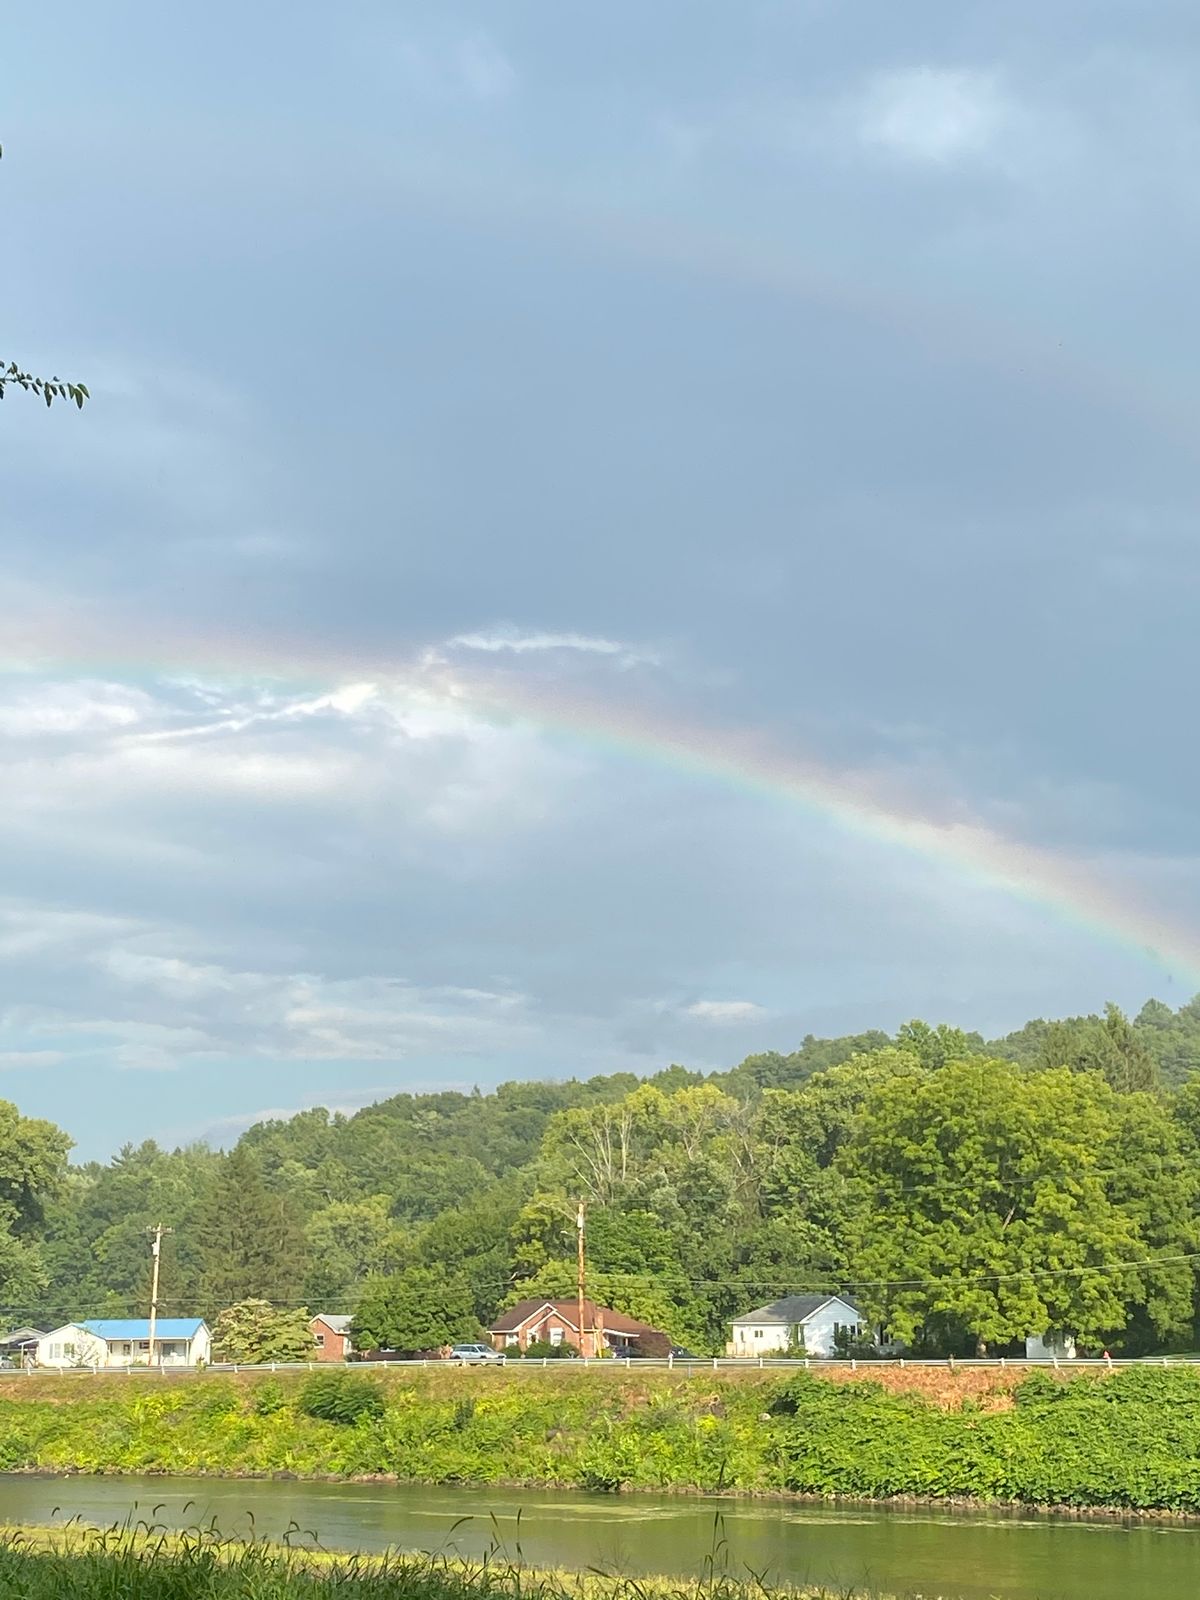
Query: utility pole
<point x="581" y="1270"/>
<point x="156" y="1252"/>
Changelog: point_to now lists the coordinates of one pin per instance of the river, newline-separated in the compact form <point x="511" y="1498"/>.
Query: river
<point x="975" y="1555"/>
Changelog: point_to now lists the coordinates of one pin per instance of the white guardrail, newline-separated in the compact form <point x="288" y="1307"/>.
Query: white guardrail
<point x="685" y="1364"/>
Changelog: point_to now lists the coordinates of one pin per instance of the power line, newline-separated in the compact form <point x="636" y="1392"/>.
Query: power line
<point x="827" y="1285"/>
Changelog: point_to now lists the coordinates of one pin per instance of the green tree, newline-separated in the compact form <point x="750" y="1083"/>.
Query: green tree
<point x="986" y="1198"/>
<point x="934" y="1047"/>
<point x="346" y="1242"/>
<point x="421" y="1308"/>
<point x="251" y="1238"/>
<point x="1109" y="1045"/>
<point x="253" y="1331"/>
<point x="1172" y="1038"/>
<point x="97" y="1246"/>
<point x="33" y="1161"/>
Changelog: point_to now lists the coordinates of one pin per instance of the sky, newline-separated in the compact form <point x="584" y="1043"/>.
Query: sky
<point x="602" y="536"/>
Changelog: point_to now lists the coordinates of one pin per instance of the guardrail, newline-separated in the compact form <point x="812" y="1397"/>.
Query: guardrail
<point x="685" y="1364"/>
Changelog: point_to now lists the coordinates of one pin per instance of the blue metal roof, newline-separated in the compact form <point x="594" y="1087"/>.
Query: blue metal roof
<point x="139" y="1327"/>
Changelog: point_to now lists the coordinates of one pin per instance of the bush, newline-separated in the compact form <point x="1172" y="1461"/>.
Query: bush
<point x="341" y="1397"/>
<point x="537" y="1349"/>
<point x="268" y="1399"/>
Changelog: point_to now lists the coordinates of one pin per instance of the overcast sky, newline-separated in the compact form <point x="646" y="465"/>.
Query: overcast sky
<point x="817" y="375"/>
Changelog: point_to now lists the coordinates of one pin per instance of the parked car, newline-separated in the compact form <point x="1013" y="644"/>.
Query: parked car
<point x="469" y="1353"/>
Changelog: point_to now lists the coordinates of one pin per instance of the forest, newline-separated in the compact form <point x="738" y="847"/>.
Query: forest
<point x="967" y="1192"/>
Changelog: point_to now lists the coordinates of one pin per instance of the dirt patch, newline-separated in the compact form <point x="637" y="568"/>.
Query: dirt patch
<point x="946" y="1387"/>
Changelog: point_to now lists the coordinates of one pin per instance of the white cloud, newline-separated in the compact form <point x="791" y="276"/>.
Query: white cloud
<point x="13" y="1060"/>
<point x="934" y="115"/>
<point x="133" y="1046"/>
<point x="166" y="974"/>
<point x="510" y="641"/>
<point x="64" y="708"/>
<point x="724" y="1011"/>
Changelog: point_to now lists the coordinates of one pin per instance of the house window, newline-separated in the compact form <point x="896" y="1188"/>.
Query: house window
<point x="320" y="1341"/>
<point x="556" y="1335"/>
<point x="511" y="1340"/>
<point x="56" y="1352"/>
<point x="758" y="1333"/>
<point x="69" y="1351"/>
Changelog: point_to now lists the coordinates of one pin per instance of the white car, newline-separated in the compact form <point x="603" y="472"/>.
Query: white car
<point x="474" y="1352"/>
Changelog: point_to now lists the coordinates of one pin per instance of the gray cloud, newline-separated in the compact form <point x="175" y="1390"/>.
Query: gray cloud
<point x="819" y="374"/>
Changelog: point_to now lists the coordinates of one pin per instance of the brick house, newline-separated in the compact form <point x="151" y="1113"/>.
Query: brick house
<point x="557" y="1322"/>
<point x="331" y="1335"/>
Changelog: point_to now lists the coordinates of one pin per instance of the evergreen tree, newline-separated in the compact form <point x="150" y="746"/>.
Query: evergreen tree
<point x="251" y="1238"/>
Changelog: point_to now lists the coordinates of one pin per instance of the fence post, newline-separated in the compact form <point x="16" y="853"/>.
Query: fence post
<point x="901" y="1363"/>
<point x="853" y="1363"/>
<point x="806" y="1363"/>
<point x="670" y="1359"/>
<point x="714" y="1363"/>
<point x="1003" y="1361"/>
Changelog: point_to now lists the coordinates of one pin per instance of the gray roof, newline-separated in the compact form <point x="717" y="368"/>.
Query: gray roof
<point x="334" y="1324"/>
<point x="794" y="1308"/>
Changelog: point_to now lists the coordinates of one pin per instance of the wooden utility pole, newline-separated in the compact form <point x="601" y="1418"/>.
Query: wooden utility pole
<point x="156" y="1234"/>
<point x="581" y="1269"/>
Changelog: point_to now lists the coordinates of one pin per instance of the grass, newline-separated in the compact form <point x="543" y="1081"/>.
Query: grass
<point x="138" y="1561"/>
<point x="1127" y="1440"/>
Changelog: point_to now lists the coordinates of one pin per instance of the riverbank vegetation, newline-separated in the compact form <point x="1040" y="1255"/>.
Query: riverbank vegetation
<point x="968" y="1193"/>
<point x="1130" y="1439"/>
<point x="146" y="1563"/>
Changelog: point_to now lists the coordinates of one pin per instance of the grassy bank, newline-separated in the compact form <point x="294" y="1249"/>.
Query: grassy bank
<point x="82" y="1564"/>
<point x="1129" y="1440"/>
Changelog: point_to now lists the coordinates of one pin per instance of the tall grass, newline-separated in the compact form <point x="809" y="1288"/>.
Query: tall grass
<point x="139" y="1561"/>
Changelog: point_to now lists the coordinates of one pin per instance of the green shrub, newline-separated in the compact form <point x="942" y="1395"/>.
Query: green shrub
<point x="341" y="1397"/>
<point x="1038" y="1388"/>
<point x="540" y="1349"/>
<point x="268" y="1399"/>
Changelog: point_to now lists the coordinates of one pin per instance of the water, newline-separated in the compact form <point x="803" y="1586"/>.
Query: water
<point x="975" y="1555"/>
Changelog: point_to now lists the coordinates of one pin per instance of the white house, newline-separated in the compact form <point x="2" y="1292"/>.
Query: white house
<point x="811" y="1320"/>
<point x="125" y="1342"/>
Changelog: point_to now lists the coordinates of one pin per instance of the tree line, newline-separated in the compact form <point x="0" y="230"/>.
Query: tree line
<point x="966" y="1192"/>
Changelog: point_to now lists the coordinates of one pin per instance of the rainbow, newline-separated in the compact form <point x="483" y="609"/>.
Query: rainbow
<point x="1072" y="891"/>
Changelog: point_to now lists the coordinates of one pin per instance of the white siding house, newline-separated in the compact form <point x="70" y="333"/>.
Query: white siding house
<point x="125" y="1342"/>
<point x="808" y="1319"/>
